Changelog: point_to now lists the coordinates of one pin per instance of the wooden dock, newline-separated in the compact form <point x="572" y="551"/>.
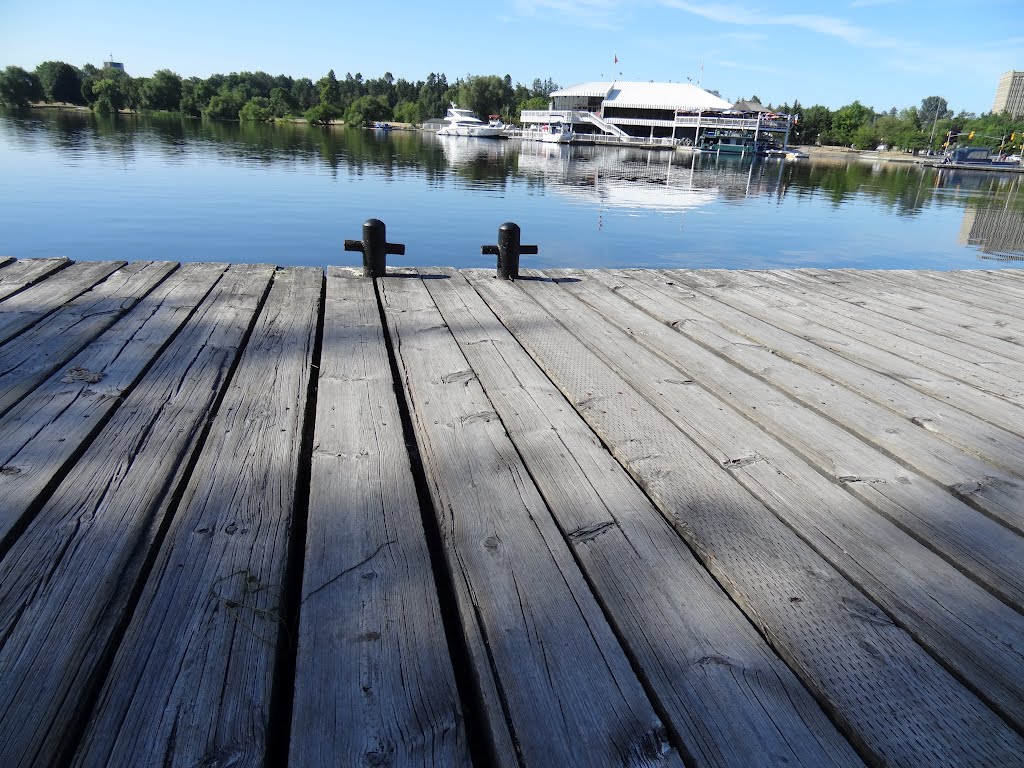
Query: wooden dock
<point x="257" y="516"/>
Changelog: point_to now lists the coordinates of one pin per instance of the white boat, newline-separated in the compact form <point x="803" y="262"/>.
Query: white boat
<point x="462" y="122"/>
<point x="557" y="133"/>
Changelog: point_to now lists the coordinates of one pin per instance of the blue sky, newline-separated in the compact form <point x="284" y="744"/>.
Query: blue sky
<point x="885" y="53"/>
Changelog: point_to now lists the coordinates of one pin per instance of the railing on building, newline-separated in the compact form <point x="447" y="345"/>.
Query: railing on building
<point x="681" y="121"/>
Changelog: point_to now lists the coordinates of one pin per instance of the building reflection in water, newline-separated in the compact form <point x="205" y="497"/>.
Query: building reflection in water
<point x="647" y="179"/>
<point x="996" y="228"/>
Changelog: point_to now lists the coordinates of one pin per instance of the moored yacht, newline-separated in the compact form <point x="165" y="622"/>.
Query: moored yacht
<point x="462" y="122"/>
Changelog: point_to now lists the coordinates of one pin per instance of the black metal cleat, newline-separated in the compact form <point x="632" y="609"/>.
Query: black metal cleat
<point x="508" y="250"/>
<point x="375" y="247"/>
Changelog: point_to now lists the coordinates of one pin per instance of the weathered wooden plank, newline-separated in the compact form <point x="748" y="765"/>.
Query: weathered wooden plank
<point x="980" y="546"/>
<point x="950" y="337"/>
<point x="871" y="359"/>
<point x="42" y="433"/>
<point x="729" y="698"/>
<point x="5" y="260"/>
<point x="22" y="274"/>
<point x="839" y="442"/>
<point x="977" y="435"/>
<point x="929" y="351"/>
<point x="191" y="681"/>
<point x="67" y="584"/>
<point x="999" y="291"/>
<point x="918" y="588"/>
<point x="564" y="681"/>
<point x="886" y="693"/>
<point x="374" y="682"/>
<point x="902" y="300"/>
<point x="29" y="358"/>
<point x="27" y="307"/>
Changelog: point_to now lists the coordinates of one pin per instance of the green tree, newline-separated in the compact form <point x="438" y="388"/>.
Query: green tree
<point x="366" y="110"/>
<point x="89" y="75"/>
<point x="814" y="123"/>
<point x="18" y="88"/>
<point x="61" y="82"/>
<point x="543" y="88"/>
<point x="350" y="89"/>
<point x="382" y="87"/>
<point x="407" y="112"/>
<point x="866" y="137"/>
<point x="163" y="91"/>
<point x="933" y="108"/>
<point x="110" y="96"/>
<point x="846" y="120"/>
<point x="256" y="110"/>
<point x="195" y="95"/>
<point x="486" y="95"/>
<point x="327" y="90"/>
<point x="303" y="94"/>
<point x="225" y="105"/>
<point x="322" y="114"/>
<point x="431" y="96"/>
<point x="535" y="102"/>
<point x="134" y="91"/>
<point x="281" y="103"/>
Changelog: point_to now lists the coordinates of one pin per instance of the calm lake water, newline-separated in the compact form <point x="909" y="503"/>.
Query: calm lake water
<point x="159" y="188"/>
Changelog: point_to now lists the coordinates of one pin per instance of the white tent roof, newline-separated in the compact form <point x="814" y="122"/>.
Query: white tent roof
<point x="586" y="90"/>
<point x="635" y="95"/>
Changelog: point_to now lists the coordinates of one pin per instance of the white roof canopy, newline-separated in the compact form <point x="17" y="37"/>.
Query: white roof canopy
<point x="634" y="95"/>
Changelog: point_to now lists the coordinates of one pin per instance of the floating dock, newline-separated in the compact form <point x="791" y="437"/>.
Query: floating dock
<point x="262" y="516"/>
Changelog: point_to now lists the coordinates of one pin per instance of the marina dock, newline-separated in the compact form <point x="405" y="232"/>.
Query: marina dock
<point x="285" y="516"/>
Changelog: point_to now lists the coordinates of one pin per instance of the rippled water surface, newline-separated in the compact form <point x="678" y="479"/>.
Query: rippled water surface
<point x="164" y="188"/>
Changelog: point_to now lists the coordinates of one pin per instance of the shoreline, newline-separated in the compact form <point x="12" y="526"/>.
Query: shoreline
<point x="814" y="152"/>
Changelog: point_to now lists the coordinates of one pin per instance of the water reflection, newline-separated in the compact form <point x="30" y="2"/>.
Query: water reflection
<point x="845" y="205"/>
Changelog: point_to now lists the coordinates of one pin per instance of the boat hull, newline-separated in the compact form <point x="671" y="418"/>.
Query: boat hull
<point x="471" y="131"/>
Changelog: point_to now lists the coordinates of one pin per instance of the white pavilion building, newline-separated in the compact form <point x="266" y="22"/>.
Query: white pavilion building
<point x="670" y="113"/>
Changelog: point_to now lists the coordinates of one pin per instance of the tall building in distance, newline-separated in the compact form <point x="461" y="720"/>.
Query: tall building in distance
<point x="118" y="65"/>
<point x="1010" y="94"/>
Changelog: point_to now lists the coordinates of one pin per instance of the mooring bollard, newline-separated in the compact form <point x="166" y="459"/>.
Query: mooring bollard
<point x="508" y="250"/>
<point x="375" y="248"/>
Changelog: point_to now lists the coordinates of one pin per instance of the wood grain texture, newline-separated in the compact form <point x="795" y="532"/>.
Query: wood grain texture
<point x="893" y="296"/>
<point x="975" y="543"/>
<point x="29" y="306"/>
<point x="19" y="275"/>
<point x="66" y="585"/>
<point x="563" y="678"/>
<point x="887" y="694"/>
<point x="191" y="681"/>
<point x="884" y="363"/>
<point x="374" y="681"/>
<point x="959" y="361"/>
<point x="726" y="694"/>
<point x="933" y="336"/>
<point x="914" y="453"/>
<point x="918" y="588"/>
<point x="673" y="303"/>
<point x="990" y="291"/>
<point x="28" y="359"/>
<point x="40" y="436"/>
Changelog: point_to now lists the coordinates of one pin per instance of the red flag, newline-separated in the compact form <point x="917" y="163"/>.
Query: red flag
<point x="616" y="58"/>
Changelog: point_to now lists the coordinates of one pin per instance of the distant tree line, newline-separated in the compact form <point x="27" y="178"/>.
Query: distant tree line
<point x="258" y="96"/>
<point x="930" y="126"/>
